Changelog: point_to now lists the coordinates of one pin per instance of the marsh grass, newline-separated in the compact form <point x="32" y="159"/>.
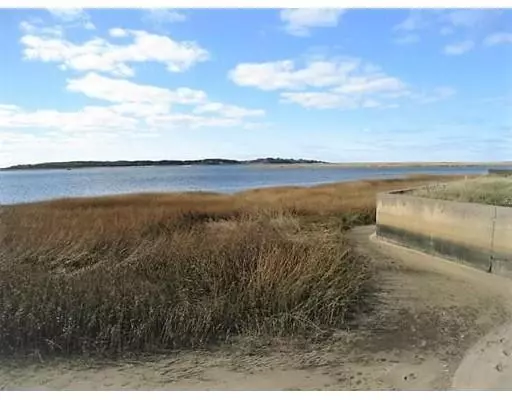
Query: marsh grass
<point x="485" y="190"/>
<point x="146" y="272"/>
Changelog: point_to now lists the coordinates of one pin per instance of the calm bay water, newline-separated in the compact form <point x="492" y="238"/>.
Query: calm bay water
<point x="29" y="186"/>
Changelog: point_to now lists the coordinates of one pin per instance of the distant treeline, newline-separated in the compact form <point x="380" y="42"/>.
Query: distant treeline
<point x="144" y="163"/>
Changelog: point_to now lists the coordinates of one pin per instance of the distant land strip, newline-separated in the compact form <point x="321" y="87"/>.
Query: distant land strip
<point x="264" y="162"/>
<point x="147" y="163"/>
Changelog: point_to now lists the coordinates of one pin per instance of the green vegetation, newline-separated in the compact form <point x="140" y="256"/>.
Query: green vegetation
<point x="486" y="190"/>
<point x="144" y="272"/>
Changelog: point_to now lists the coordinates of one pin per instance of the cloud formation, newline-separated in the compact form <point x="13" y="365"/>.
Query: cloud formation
<point x="345" y="83"/>
<point x="300" y="21"/>
<point x="161" y="16"/>
<point x="100" y="87"/>
<point x="498" y="38"/>
<point x="456" y="49"/>
<point x="101" y="55"/>
<point x="103" y="70"/>
<point x="72" y="17"/>
<point x="445" y="22"/>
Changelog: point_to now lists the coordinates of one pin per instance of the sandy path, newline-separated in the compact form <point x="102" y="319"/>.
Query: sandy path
<point x="426" y="314"/>
<point x="488" y="364"/>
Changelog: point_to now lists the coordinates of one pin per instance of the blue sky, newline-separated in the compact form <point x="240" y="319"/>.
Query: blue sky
<point x="337" y="85"/>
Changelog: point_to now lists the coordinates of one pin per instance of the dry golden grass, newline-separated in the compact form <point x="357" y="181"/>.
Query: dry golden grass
<point x="161" y="271"/>
<point x="492" y="190"/>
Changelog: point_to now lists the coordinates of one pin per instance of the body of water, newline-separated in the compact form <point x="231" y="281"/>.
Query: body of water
<point x="35" y="185"/>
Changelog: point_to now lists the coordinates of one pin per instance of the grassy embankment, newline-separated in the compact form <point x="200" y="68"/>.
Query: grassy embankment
<point x="160" y="271"/>
<point x="485" y="190"/>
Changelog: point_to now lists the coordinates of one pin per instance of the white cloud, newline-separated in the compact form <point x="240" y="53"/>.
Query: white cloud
<point x="121" y="120"/>
<point x="67" y="14"/>
<point x="444" y="22"/>
<point x="88" y="119"/>
<point x="53" y="145"/>
<point x="141" y="110"/>
<point x="161" y="16"/>
<point x="153" y="104"/>
<point x="256" y="125"/>
<point x="72" y="16"/>
<point x="446" y="30"/>
<point x="326" y="84"/>
<point x="100" y="55"/>
<point x="123" y="91"/>
<point x="371" y="104"/>
<point x="415" y="20"/>
<point x="459" y="48"/>
<point x="407" y="39"/>
<point x="371" y="84"/>
<point x="346" y="83"/>
<point x="36" y="27"/>
<point x="148" y="101"/>
<point x="445" y="91"/>
<point x="330" y="100"/>
<point x="192" y="121"/>
<point x="498" y="38"/>
<point x="299" y="22"/>
<point x="118" y="32"/>
<point x="467" y="18"/>
<point x="7" y="137"/>
<point x="228" y="111"/>
<point x="438" y="94"/>
<point x="447" y="21"/>
<point x="135" y="110"/>
<point x="8" y="108"/>
<point x="407" y="29"/>
<point x="319" y="100"/>
<point x="284" y="74"/>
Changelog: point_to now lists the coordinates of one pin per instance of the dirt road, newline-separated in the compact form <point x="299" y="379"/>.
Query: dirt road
<point x="427" y="316"/>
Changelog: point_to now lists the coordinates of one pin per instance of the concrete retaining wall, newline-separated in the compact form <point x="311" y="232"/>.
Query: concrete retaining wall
<point x="474" y="234"/>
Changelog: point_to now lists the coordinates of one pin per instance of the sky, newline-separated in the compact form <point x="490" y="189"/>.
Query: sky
<point x="339" y="85"/>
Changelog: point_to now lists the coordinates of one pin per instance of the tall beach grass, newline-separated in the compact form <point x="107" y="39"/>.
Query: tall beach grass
<point x="163" y="271"/>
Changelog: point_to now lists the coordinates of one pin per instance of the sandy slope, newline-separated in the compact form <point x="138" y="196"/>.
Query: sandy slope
<point x="426" y="315"/>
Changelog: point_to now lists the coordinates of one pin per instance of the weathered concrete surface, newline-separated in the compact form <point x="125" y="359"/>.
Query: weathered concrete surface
<point x="475" y="234"/>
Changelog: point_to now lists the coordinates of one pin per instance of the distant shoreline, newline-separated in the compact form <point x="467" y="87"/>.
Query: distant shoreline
<point x="391" y="165"/>
<point x="257" y="163"/>
<point x="159" y="163"/>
